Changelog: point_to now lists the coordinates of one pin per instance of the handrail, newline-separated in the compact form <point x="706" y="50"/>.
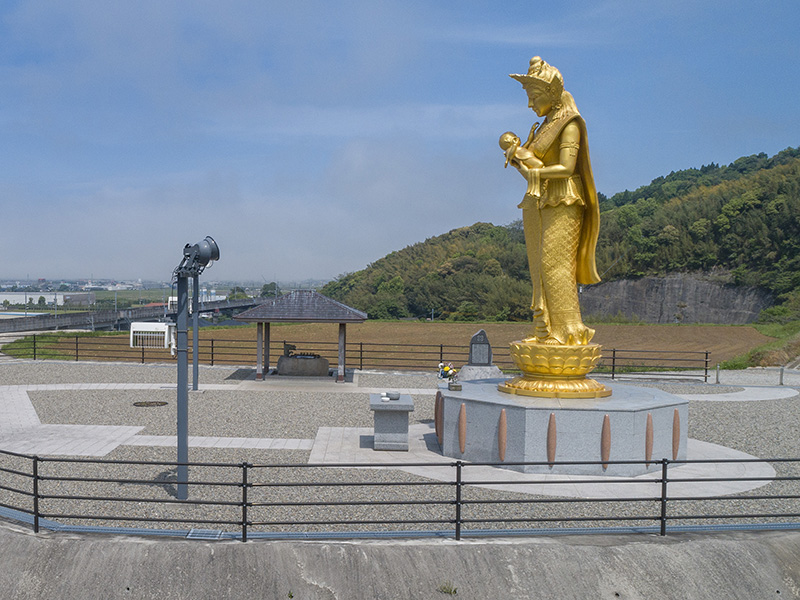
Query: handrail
<point x="365" y="355"/>
<point x="349" y="495"/>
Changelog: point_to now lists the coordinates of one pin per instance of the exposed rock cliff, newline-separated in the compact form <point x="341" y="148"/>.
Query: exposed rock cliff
<point x="676" y="298"/>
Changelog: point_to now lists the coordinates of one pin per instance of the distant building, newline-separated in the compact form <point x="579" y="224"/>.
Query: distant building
<point x="27" y="297"/>
<point x="79" y="298"/>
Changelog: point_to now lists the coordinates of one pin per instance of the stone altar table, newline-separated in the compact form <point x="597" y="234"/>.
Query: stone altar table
<point x="391" y="421"/>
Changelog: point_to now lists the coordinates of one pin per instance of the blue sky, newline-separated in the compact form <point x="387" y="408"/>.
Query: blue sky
<point x="310" y="138"/>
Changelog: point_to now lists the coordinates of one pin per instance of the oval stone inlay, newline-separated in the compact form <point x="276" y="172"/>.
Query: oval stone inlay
<point x="551" y="439"/>
<point x="605" y="441"/>
<point x="676" y="434"/>
<point x="462" y="428"/>
<point x="648" y="439"/>
<point x="501" y="435"/>
<point x="438" y="411"/>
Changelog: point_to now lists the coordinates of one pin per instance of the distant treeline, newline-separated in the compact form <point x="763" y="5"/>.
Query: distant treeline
<point x="741" y="221"/>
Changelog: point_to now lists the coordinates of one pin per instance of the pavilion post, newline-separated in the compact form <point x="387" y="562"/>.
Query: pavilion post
<point x="259" y="351"/>
<point x="266" y="348"/>
<point x="342" y="347"/>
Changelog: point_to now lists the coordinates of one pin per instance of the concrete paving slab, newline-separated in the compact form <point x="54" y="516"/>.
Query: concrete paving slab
<point x="68" y="440"/>
<point x="344" y="446"/>
<point x="748" y="394"/>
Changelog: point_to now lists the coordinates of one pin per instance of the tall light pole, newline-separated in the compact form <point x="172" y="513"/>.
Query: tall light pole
<point x="195" y="260"/>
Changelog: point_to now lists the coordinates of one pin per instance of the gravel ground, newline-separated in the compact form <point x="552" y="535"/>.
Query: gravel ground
<point x="257" y="414"/>
<point x="765" y="429"/>
<point x="396" y="379"/>
<point x="57" y="371"/>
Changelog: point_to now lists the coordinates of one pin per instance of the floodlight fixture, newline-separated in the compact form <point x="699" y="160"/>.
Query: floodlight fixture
<point x="195" y="259"/>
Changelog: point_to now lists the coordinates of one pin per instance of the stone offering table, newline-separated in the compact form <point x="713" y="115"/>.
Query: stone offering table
<point x="391" y="421"/>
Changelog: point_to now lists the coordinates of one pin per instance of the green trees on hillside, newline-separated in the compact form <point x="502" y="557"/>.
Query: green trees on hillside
<point x="477" y="272"/>
<point x="741" y="220"/>
<point x="748" y="226"/>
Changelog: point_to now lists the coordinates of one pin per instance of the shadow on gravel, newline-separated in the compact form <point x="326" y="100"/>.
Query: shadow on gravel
<point x="241" y="375"/>
<point x="166" y="480"/>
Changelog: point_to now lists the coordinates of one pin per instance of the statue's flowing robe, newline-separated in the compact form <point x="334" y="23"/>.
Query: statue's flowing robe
<point x="586" y="271"/>
<point x="561" y="218"/>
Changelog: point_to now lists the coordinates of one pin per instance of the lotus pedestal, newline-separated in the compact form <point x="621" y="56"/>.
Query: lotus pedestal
<point x="554" y="371"/>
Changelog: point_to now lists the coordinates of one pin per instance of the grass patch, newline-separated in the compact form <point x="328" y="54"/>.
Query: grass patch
<point x="24" y="348"/>
<point x="53" y="346"/>
<point x="447" y="588"/>
<point x="784" y="348"/>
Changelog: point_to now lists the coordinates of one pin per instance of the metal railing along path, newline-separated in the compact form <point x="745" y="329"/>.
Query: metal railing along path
<point x="351" y="500"/>
<point x="363" y="355"/>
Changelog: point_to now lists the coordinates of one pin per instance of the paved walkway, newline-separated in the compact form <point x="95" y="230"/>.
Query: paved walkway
<point x="354" y="445"/>
<point x="748" y="394"/>
<point x="22" y="431"/>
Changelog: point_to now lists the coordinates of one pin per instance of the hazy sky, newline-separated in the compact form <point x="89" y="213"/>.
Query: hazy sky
<point x="310" y="138"/>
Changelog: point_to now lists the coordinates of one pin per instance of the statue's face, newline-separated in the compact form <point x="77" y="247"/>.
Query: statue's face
<point x="540" y="103"/>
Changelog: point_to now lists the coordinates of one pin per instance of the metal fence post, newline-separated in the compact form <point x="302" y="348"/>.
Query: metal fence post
<point x="245" y="485"/>
<point x="36" y="494"/>
<point x="664" y="463"/>
<point x="34" y="346"/>
<point x="780" y="381"/>
<point x="143" y="354"/>
<point x="705" y="372"/>
<point x="212" y="352"/>
<point x="458" y="499"/>
<point x="361" y="356"/>
<point x="613" y="362"/>
<point x="76" y="347"/>
<point x="441" y="352"/>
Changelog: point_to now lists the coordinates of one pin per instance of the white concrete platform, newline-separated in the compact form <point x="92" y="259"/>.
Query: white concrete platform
<point x="354" y="445"/>
<point x="748" y="394"/>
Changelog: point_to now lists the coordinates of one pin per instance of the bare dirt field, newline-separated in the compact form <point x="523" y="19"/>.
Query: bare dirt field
<point x="237" y="345"/>
<point x="723" y="342"/>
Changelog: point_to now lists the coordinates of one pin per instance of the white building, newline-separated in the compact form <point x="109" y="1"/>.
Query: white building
<point x="59" y="298"/>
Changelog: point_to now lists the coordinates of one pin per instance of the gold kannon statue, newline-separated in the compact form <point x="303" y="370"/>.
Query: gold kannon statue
<point x="561" y="217"/>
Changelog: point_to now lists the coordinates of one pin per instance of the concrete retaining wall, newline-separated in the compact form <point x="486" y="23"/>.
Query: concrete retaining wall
<point x="697" y="566"/>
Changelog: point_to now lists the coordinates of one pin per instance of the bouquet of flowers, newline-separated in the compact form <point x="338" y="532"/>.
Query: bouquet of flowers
<point x="447" y="371"/>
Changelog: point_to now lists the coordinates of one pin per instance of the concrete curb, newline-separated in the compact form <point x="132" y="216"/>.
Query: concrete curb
<point x="699" y="566"/>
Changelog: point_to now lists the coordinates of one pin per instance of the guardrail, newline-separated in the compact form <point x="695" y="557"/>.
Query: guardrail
<point x="364" y="355"/>
<point x="104" y="318"/>
<point x="347" y="500"/>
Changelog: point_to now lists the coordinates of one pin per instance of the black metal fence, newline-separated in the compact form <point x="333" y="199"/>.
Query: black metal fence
<point x="244" y="500"/>
<point x="364" y="355"/>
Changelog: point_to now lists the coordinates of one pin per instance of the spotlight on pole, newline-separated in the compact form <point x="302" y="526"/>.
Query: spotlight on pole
<point x="195" y="259"/>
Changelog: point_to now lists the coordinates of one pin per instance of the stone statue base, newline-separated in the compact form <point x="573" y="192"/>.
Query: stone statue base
<point x="554" y="371"/>
<point x="574" y="437"/>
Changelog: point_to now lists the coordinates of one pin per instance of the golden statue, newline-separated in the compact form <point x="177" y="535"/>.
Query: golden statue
<point x="561" y="217"/>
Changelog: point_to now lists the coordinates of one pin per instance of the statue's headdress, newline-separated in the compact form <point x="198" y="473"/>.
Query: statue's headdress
<point x="542" y="77"/>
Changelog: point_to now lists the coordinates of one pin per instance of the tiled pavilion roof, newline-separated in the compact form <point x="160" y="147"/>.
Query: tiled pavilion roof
<point x="302" y="306"/>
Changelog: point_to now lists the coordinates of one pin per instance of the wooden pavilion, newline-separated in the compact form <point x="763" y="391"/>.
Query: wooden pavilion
<point x="299" y="306"/>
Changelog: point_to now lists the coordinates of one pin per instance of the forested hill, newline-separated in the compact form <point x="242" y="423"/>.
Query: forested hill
<point x="740" y="220"/>
<point x="477" y="272"/>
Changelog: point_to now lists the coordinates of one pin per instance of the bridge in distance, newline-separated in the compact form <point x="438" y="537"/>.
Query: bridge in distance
<point x="111" y="319"/>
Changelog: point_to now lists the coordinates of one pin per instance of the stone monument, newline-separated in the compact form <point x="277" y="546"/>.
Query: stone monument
<point x="552" y="414"/>
<point x="480" y="364"/>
